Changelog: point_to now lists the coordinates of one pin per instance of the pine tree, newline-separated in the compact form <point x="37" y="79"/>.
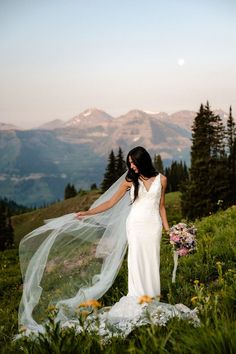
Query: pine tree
<point x="231" y="150"/>
<point x="158" y="164"/>
<point x="70" y="191"/>
<point x="6" y="229"/>
<point x="93" y="186"/>
<point x="110" y="175"/>
<point x="120" y="164"/>
<point x="176" y="175"/>
<point x="230" y="133"/>
<point x="218" y="164"/>
<point x="208" y="173"/>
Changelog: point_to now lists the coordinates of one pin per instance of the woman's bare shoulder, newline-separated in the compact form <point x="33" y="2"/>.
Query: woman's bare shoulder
<point x="163" y="179"/>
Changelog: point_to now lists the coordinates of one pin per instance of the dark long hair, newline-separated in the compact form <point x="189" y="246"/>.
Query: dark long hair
<point x="143" y="162"/>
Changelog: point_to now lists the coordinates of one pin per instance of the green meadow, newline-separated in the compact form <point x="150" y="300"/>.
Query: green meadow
<point x="205" y="280"/>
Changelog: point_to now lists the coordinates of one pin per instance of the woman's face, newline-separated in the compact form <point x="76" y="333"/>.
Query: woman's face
<point x="132" y="165"/>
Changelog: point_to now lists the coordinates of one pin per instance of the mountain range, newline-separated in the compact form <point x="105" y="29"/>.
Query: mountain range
<point x="36" y="164"/>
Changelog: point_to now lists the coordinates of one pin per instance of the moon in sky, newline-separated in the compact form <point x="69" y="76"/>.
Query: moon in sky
<point x="181" y="61"/>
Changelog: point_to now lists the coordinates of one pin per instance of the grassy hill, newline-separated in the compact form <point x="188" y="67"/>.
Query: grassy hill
<point x="27" y="222"/>
<point x="206" y="280"/>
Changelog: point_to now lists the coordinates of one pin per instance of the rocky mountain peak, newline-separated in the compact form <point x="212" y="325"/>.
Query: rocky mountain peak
<point x="89" y="117"/>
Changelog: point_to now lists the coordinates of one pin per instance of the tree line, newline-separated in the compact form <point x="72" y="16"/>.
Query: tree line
<point x="212" y="176"/>
<point x="176" y="173"/>
<point x="210" y="182"/>
<point x="208" y="185"/>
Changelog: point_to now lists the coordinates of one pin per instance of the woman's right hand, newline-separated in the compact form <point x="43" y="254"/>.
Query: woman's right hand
<point x="81" y="214"/>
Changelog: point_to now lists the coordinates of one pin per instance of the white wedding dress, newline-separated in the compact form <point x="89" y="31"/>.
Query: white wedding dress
<point x="67" y="262"/>
<point x="144" y="230"/>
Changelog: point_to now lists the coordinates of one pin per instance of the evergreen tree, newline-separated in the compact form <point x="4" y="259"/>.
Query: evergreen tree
<point x="208" y="173"/>
<point x="158" y="164"/>
<point x="218" y="164"/>
<point x="70" y="191"/>
<point x="231" y="150"/>
<point x="6" y="229"/>
<point x="110" y="175"/>
<point x="93" y="186"/>
<point x="230" y="133"/>
<point x="120" y="163"/>
<point x="176" y="175"/>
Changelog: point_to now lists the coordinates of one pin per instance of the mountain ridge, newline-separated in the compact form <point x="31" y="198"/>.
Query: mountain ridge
<point x="184" y="118"/>
<point x="37" y="164"/>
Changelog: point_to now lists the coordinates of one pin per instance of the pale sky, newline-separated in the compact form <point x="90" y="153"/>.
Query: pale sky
<point x="59" y="58"/>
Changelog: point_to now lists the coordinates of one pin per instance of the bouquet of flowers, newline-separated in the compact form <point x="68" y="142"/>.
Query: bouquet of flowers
<point x="183" y="239"/>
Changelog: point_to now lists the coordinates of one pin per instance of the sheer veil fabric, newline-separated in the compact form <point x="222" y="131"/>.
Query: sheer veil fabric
<point x="68" y="261"/>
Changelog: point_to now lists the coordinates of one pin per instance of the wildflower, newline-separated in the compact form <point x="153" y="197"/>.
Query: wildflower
<point x="51" y="308"/>
<point x="182" y="252"/>
<point x="196" y="281"/>
<point x="22" y="329"/>
<point x="144" y="299"/>
<point x="194" y="298"/>
<point x="92" y="303"/>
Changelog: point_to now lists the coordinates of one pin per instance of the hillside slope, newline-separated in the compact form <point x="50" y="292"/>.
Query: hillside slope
<point x="25" y="223"/>
<point x="205" y="280"/>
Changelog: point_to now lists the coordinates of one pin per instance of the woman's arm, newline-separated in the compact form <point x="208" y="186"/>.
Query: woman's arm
<point x="162" y="203"/>
<point x="109" y="203"/>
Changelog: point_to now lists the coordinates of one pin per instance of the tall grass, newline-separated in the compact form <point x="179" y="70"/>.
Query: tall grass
<point x="205" y="279"/>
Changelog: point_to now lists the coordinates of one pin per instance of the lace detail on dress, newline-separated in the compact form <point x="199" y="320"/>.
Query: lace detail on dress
<point x="127" y="314"/>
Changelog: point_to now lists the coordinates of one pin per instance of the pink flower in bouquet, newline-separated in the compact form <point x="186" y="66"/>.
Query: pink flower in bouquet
<point x="174" y="238"/>
<point x="182" y="252"/>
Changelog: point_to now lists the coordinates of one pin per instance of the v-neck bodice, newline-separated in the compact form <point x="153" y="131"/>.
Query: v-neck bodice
<point x="147" y="190"/>
<point x="147" y="198"/>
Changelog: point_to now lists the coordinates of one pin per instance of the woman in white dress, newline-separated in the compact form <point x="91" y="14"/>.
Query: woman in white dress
<point x="76" y="257"/>
<point x="144" y="222"/>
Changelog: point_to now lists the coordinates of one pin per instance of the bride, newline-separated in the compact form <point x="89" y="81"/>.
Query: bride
<point x="144" y="222"/>
<point x="76" y="257"/>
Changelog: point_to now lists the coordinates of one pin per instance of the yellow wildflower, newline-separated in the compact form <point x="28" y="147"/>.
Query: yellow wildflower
<point x="144" y="299"/>
<point x="51" y="308"/>
<point x="196" y="282"/>
<point x="22" y="329"/>
<point x="92" y="303"/>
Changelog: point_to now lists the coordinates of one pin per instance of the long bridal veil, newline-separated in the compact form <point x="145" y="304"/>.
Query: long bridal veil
<point x="67" y="261"/>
